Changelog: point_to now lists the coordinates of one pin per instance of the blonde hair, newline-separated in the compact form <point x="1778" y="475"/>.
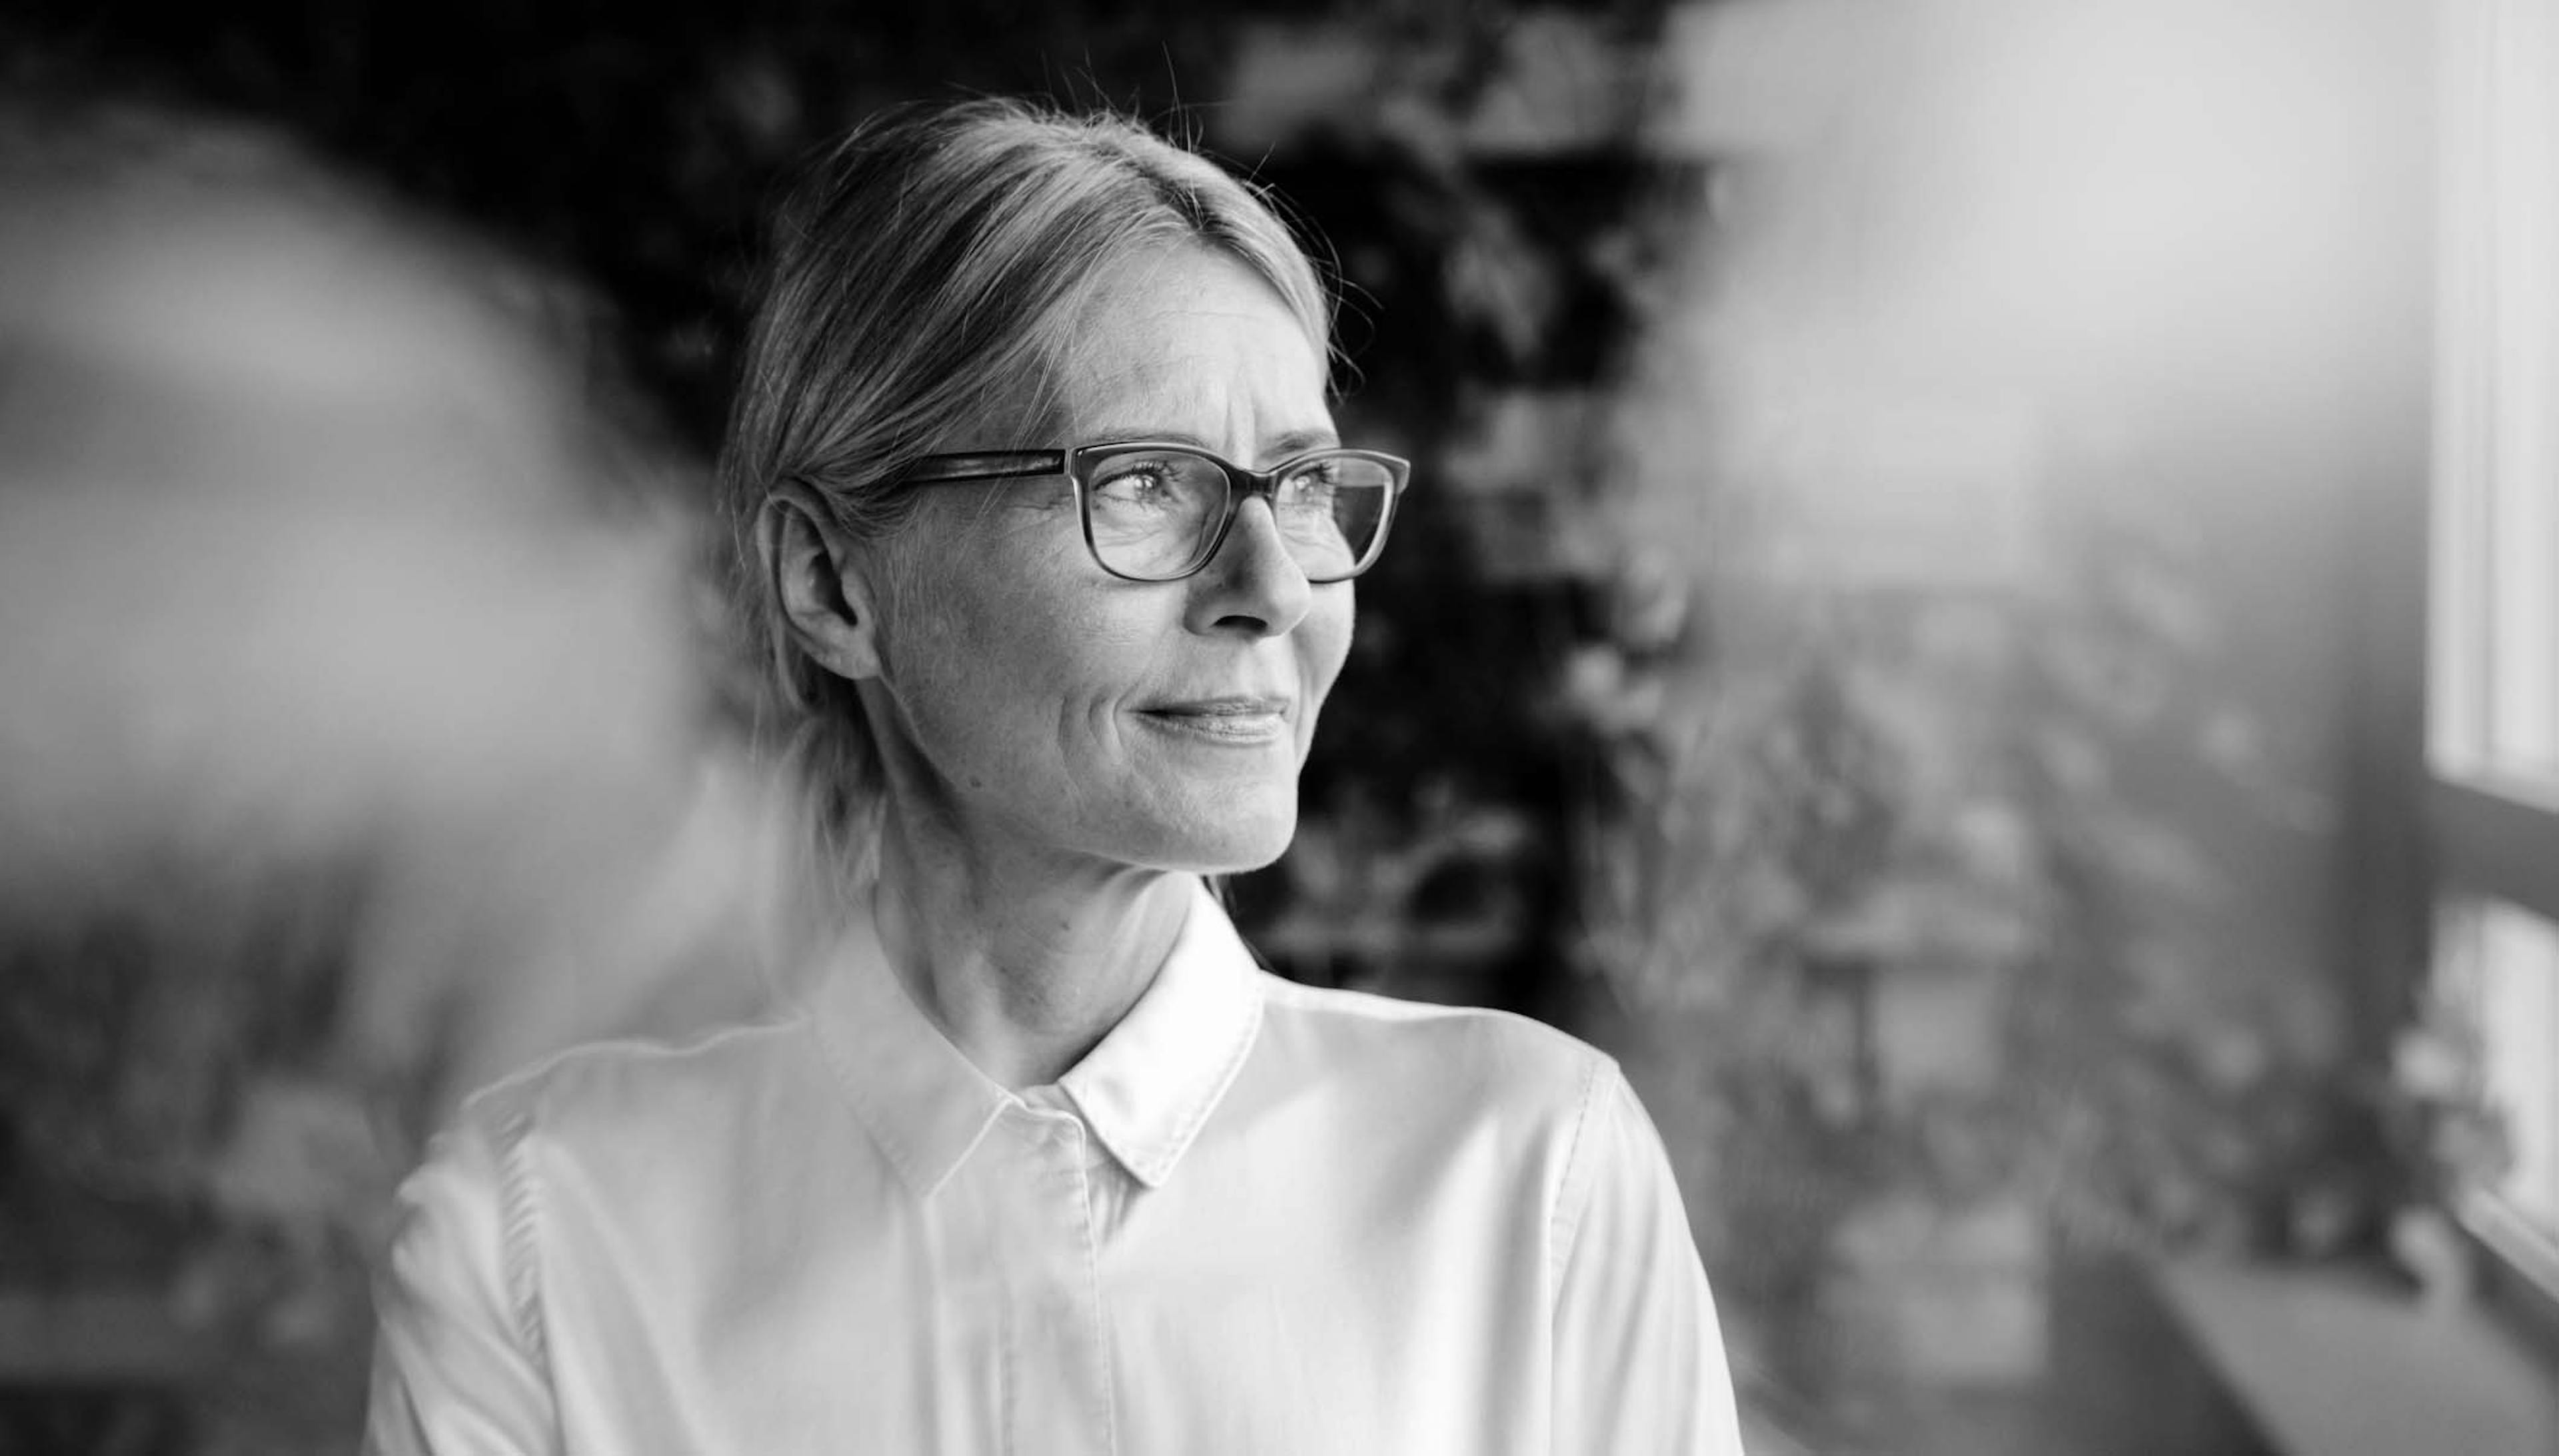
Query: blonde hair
<point x="926" y="275"/>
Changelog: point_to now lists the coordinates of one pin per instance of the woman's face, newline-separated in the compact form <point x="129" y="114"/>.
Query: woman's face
<point x="1059" y="708"/>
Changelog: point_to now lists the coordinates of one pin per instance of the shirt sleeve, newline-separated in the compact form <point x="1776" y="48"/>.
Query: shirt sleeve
<point x="1638" y="1358"/>
<point x="458" y="1366"/>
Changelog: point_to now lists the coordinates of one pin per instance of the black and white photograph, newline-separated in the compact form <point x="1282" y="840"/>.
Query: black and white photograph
<point x="1276" y="728"/>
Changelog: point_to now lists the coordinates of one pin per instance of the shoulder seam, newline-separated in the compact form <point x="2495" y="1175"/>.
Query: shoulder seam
<point x="522" y="1247"/>
<point x="540" y="1071"/>
<point x="1572" y="1197"/>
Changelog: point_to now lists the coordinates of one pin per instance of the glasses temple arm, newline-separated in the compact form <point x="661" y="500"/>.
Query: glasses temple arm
<point x="996" y="465"/>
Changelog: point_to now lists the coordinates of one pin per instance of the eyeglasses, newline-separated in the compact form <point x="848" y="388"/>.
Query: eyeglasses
<point x="1156" y="511"/>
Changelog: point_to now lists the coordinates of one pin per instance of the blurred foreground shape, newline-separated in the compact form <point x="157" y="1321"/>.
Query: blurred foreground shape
<point x="360" y="740"/>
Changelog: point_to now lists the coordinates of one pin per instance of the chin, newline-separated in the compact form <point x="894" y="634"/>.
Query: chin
<point x="1244" y="837"/>
<point x="1250" y="857"/>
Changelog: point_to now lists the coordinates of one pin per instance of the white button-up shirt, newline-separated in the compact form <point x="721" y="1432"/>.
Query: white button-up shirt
<point x="1258" y="1218"/>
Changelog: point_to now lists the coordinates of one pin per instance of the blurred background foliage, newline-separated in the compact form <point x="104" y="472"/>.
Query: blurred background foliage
<point x="1859" y="879"/>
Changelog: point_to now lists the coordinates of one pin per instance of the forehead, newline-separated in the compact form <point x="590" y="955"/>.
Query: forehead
<point x="1188" y="342"/>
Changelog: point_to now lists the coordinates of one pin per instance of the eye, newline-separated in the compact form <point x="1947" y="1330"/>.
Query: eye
<point x="1136" y="486"/>
<point x="1153" y="483"/>
<point x="1311" y="486"/>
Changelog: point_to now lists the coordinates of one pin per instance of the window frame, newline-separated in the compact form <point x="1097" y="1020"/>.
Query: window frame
<point x="2491" y="561"/>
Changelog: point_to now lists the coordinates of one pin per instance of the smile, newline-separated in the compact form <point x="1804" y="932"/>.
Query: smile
<point x="1235" y="720"/>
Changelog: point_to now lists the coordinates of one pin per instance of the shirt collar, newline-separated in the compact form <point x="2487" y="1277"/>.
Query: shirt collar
<point x="1146" y="1089"/>
<point x="927" y="1106"/>
<point x="1149" y="1087"/>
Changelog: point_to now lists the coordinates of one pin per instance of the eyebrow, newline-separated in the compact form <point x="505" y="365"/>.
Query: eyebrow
<point x="1282" y="445"/>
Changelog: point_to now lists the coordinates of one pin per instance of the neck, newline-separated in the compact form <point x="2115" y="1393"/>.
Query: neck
<point x="1025" y="961"/>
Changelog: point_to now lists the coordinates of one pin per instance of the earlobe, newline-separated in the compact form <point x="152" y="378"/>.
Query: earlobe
<point x="819" y="582"/>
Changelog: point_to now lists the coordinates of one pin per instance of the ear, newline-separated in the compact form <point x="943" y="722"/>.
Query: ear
<point x="820" y="581"/>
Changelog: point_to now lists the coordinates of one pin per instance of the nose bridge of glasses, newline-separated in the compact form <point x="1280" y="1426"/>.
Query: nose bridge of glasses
<point x="1244" y="483"/>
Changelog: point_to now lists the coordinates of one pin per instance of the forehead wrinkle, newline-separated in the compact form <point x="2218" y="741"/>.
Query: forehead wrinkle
<point x="1138" y="362"/>
<point x="1195" y="400"/>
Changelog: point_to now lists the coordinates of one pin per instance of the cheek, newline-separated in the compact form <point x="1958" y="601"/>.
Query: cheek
<point x="1034" y="667"/>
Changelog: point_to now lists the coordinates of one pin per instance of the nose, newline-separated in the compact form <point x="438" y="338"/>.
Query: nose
<point x="1252" y="585"/>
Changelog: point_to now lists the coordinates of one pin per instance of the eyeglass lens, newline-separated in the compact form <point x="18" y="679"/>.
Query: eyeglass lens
<point x="1153" y="512"/>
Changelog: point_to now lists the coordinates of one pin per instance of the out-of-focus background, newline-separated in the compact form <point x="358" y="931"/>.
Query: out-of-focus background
<point x="1982" y="607"/>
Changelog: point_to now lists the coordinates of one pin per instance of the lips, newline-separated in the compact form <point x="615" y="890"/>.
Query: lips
<point x="1238" y="719"/>
<point x="1238" y="706"/>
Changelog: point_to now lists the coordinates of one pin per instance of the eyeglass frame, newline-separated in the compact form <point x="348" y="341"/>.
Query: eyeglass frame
<point x="1242" y="484"/>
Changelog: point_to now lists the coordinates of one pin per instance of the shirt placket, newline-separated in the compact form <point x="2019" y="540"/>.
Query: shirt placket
<point x="1060" y="1363"/>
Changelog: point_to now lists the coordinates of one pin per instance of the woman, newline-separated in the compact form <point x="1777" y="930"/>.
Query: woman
<point x="1047" y="517"/>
